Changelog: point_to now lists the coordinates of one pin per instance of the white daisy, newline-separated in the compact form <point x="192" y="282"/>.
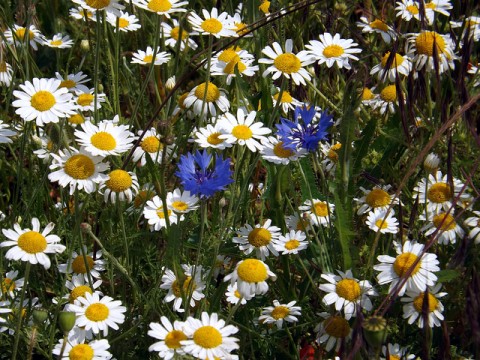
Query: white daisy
<point x="234" y="297"/>
<point x="6" y="73"/>
<point x="110" y="6"/>
<point x="392" y="65"/>
<point x="106" y="138"/>
<point x="80" y="13"/>
<point x="318" y="212"/>
<point x="298" y="222"/>
<point x="169" y="336"/>
<point x="59" y="42"/>
<point x="5" y="132"/>
<point x="181" y="202"/>
<point x="333" y="331"/>
<point x="74" y="82"/>
<point x="291" y="243"/>
<point x="425" y="44"/>
<point x="414" y="307"/>
<point x="377" y="26"/>
<point x="85" y="100"/>
<point x="470" y="25"/>
<point x="378" y="220"/>
<point x="152" y="146"/>
<point x="431" y="163"/>
<point x="32" y="245"/>
<point x="287" y="102"/>
<point x="347" y="293"/>
<point x="79" y="286"/>
<point x="146" y="57"/>
<point x="18" y="35"/>
<point x="330" y="151"/>
<point x="396" y="352"/>
<point x="126" y="22"/>
<point x="377" y="198"/>
<point x="409" y="9"/>
<point x="273" y="151"/>
<point x="209" y="337"/>
<point x="172" y="34"/>
<point x="243" y="66"/>
<point x="251" y="276"/>
<point x="121" y="185"/>
<point x="155" y="214"/>
<point x="259" y="239"/>
<point x="278" y="313"/>
<point x="444" y="225"/>
<point x="286" y="63"/>
<point x="209" y="136"/>
<point x="162" y="7"/>
<point x="98" y="314"/>
<point x="439" y="6"/>
<point x="78" y="264"/>
<point x="474" y="223"/>
<point x="333" y="49"/>
<point x="204" y="97"/>
<point x="387" y="100"/>
<point x="77" y="169"/>
<point x="43" y="101"/>
<point x="394" y="269"/>
<point x="212" y="23"/>
<point x="76" y="348"/>
<point x="10" y="284"/>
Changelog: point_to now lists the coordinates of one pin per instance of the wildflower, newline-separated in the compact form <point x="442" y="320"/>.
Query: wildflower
<point x="287" y="102"/>
<point x="5" y="133"/>
<point x="251" y="276"/>
<point x="76" y="348"/>
<point x="43" y="101"/>
<point x="425" y="44"/>
<point x="291" y="243"/>
<point x="173" y="34"/>
<point x="377" y="198"/>
<point x="59" y="42"/>
<point x="212" y="24"/>
<point x="80" y="13"/>
<point x="19" y="35"/>
<point x="209" y="337"/>
<point x="298" y="223"/>
<point x="331" y="50"/>
<point x="126" y="22"/>
<point x="305" y="134"/>
<point x="396" y="352"/>
<point x="274" y="151"/>
<point x="470" y="26"/>
<point x="347" y="292"/>
<point x="377" y="26"/>
<point x="278" y="313"/>
<point x="169" y="336"/>
<point x="445" y="224"/>
<point x="318" y="211"/>
<point x="97" y="314"/>
<point x="91" y="264"/>
<point x="10" y="284"/>
<point x="409" y="9"/>
<point x="234" y="297"/>
<point x="181" y="202"/>
<point x="32" y="245"/>
<point x="393" y="270"/>
<point x="431" y="163"/>
<point x="146" y="57"/>
<point x="244" y="67"/>
<point x="333" y="331"/>
<point x="121" y="185"/>
<point x="331" y="156"/>
<point x="191" y="288"/>
<point x="109" y="6"/>
<point x="474" y="223"/>
<point x="204" y="97"/>
<point x="386" y="100"/>
<point x="74" y="82"/>
<point x="151" y="145"/>
<point x="414" y="307"/>
<point x="162" y="7"/>
<point x="79" y="286"/>
<point x="286" y="63"/>
<point x="85" y="101"/>
<point x="155" y="214"/>
<point x="6" y="73"/>
<point x="209" y="137"/>
<point x="77" y="169"/>
<point x="197" y="177"/>
<point x="259" y="239"/>
<point x="378" y="220"/>
<point x="398" y="65"/>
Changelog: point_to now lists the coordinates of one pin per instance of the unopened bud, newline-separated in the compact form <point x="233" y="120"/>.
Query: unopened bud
<point x="86" y="227"/>
<point x="66" y="321"/>
<point x="39" y="316"/>
<point x="375" y="330"/>
<point x="431" y="163"/>
<point x="170" y="84"/>
<point x="85" y="45"/>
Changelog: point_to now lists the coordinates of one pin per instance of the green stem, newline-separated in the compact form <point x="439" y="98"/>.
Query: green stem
<point x="96" y="65"/>
<point x="19" y="313"/>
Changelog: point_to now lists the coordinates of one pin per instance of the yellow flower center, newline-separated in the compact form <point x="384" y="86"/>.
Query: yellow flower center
<point x="212" y="26"/>
<point x="336" y="326"/>
<point x="320" y="209"/>
<point x="379" y="25"/>
<point x="286" y="97"/>
<point x="207" y="337"/>
<point x="173" y="338"/>
<point x="426" y="40"/>
<point x="292" y="244"/>
<point x="348" y="289"/>
<point x="367" y="94"/>
<point x="393" y="357"/>
<point x="432" y="302"/>
<point x="397" y="61"/>
<point x="98" y="4"/>
<point x="265" y="7"/>
<point x="180" y="205"/>
<point x="287" y="63"/>
<point x="7" y="285"/>
<point x="3" y="66"/>
<point x="377" y="198"/>
<point x="444" y="222"/>
<point x="187" y="288"/>
<point x="389" y="94"/>
<point x="241" y="28"/>
<point x="148" y="59"/>
<point x="79" y="291"/>
<point x="404" y="262"/>
<point x="175" y="33"/>
<point x="412" y="9"/>
<point x="210" y="92"/>
<point x="32" y="242"/>
<point x="281" y="152"/>
<point x="119" y="181"/>
<point x="79" y="167"/>
<point x="332" y="155"/>
<point x="242" y="132"/>
<point x="67" y="84"/>
<point x="439" y="192"/>
<point x="214" y="139"/>
<point x="103" y="141"/>
<point x="151" y="144"/>
<point x="230" y="67"/>
<point x="81" y="352"/>
<point x="181" y="100"/>
<point x="227" y="55"/>
<point x="97" y="312"/>
<point x="280" y="312"/>
<point x="56" y="42"/>
<point x="78" y="264"/>
<point x="237" y="294"/>
<point x="123" y="23"/>
<point x="50" y="145"/>
<point x="20" y="33"/>
<point x="259" y="237"/>
<point x="161" y="213"/>
<point x="381" y="223"/>
<point x="302" y="225"/>
<point x="42" y="100"/>
<point x="333" y="51"/>
<point x="430" y="5"/>
<point x="85" y="99"/>
<point x="159" y="5"/>
<point x="142" y="197"/>
<point x="76" y="119"/>
<point x="252" y="271"/>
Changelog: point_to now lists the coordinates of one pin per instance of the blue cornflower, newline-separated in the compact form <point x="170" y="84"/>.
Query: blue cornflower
<point x="304" y="134"/>
<point x="199" y="179"/>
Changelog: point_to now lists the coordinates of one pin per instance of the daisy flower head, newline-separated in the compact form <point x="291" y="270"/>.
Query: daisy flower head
<point x="5" y="133"/>
<point x="415" y="305"/>
<point x="209" y="338"/>
<point x="287" y="101"/>
<point x="274" y="151"/>
<point x="387" y="100"/>
<point x="191" y="288"/>
<point x="106" y="138"/>
<point x="377" y="26"/>
<point x="121" y="185"/>
<point x="76" y="348"/>
<point x="79" y="264"/>
<point x="10" y="284"/>
<point x="85" y="100"/>
<point x="162" y="7"/>
<point x="377" y="198"/>
<point x="155" y="214"/>
<point x="298" y="222"/>
<point x="318" y="212"/>
<point x="169" y="335"/>
<point x="98" y="314"/>
<point x="278" y="313"/>
<point x="43" y="100"/>
<point x="330" y="151"/>
<point x="234" y="297"/>
<point x="286" y="63"/>
<point x="175" y="33"/>
<point x="409" y="9"/>
<point x="251" y="276"/>
<point x="79" y="286"/>
<point x="474" y="223"/>
<point x="146" y="57"/>
<point x="427" y="43"/>
<point x="395" y="269"/>
<point x="32" y="245"/>
<point x="333" y="331"/>
<point x="333" y="49"/>
<point x="209" y="137"/>
<point x="110" y="6"/>
<point x="470" y="26"/>
<point x="59" y="42"/>
<point x="437" y="193"/>
<point x="77" y="169"/>
<point x="291" y="243"/>
<point x="204" y="97"/>
<point x="378" y="220"/>
<point x="152" y="146"/>
<point x="79" y="13"/>
<point x="391" y="65"/>
<point x="6" y="73"/>
<point x="347" y="293"/>
<point x="260" y="238"/>
<point x="218" y="25"/>
<point x="74" y="82"/>
<point x="20" y="35"/>
<point x="126" y="22"/>
<point x="244" y="67"/>
<point x="243" y="130"/>
<point x="396" y="352"/>
<point x="181" y="202"/>
<point x="444" y="225"/>
<point x="199" y="177"/>
<point x="431" y="163"/>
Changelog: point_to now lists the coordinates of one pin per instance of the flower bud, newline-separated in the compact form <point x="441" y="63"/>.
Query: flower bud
<point x="39" y="316"/>
<point x="431" y="163"/>
<point x="66" y="321"/>
<point x="375" y="330"/>
<point x="85" y="45"/>
<point x="170" y="84"/>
